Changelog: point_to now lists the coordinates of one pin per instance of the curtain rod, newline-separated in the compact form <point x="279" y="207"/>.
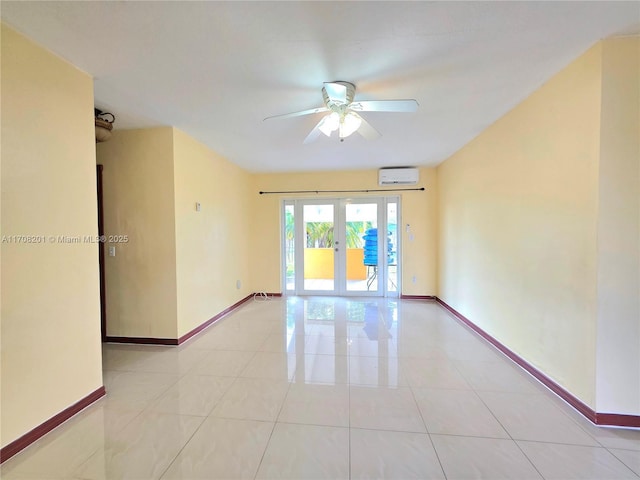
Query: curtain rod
<point x="347" y="191"/>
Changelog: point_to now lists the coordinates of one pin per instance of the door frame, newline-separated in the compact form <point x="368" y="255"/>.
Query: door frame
<point x="298" y="207"/>
<point x="340" y="277"/>
<point x="101" y="246"/>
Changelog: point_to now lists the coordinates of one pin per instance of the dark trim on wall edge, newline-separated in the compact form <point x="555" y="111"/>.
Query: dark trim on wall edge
<point x="188" y="335"/>
<point x="418" y="297"/>
<point x="617" y="420"/>
<point x="213" y="319"/>
<point x="28" y="438"/>
<point x="602" y="419"/>
<point x="143" y="340"/>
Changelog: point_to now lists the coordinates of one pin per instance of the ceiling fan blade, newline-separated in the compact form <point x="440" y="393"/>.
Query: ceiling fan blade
<point x="366" y="130"/>
<point x="300" y="113"/>
<point x="315" y="133"/>
<point x="336" y="92"/>
<point x="384" y="106"/>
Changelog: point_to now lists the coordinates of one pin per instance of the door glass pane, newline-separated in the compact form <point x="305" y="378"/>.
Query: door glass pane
<point x="289" y="247"/>
<point x="318" y="247"/>
<point x="392" y="247"/>
<point x="362" y="246"/>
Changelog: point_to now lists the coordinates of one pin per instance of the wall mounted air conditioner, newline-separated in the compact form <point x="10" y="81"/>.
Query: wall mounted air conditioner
<point x="398" y="176"/>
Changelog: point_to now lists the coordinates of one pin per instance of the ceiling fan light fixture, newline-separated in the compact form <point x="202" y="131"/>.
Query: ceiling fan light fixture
<point x="350" y="124"/>
<point x="330" y="123"/>
<point x="338" y="100"/>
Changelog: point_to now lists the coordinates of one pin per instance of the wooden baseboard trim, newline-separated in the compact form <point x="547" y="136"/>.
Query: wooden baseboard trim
<point x="608" y="419"/>
<point x="142" y="340"/>
<point x="418" y="297"/>
<point x="213" y="319"/>
<point x="188" y="335"/>
<point x="28" y="438"/>
<point x="617" y="420"/>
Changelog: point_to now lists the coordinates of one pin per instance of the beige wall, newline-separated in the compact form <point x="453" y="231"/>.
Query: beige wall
<point x="139" y="203"/>
<point x="618" y="339"/>
<point x="212" y="245"/>
<point x="418" y="210"/>
<point x="51" y="355"/>
<point x="179" y="267"/>
<point x="517" y="227"/>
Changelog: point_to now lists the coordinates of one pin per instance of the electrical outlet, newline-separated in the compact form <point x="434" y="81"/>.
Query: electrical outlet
<point x="238" y="284"/>
<point x="413" y="279"/>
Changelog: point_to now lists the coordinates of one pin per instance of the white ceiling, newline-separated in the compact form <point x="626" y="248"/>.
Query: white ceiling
<point x="217" y="69"/>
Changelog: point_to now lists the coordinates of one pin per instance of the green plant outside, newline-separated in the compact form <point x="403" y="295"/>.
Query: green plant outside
<point x="320" y="234"/>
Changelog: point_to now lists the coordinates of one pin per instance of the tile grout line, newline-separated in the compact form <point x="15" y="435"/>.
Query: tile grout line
<point x="413" y="395"/>
<point x="146" y="410"/>
<point x="527" y="457"/>
<point x="275" y="422"/>
<point x="543" y="393"/>
<point x="475" y="392"/>
<point x="637" y="474"/>
<point x="191" y="370"/>
<point x="204" y="419"/>
<point x="543" y="442"/>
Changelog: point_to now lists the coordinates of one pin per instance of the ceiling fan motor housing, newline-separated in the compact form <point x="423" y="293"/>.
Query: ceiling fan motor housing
<point x="334" y="103"/>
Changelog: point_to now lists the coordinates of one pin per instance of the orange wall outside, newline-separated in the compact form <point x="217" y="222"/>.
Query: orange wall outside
<point x="318" y="263"/>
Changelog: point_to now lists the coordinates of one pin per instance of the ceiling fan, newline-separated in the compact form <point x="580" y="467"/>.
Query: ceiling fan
<point x="343" y="112"/>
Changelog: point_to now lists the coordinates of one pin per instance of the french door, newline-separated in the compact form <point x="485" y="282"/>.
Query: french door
<point x="341" y="246"/>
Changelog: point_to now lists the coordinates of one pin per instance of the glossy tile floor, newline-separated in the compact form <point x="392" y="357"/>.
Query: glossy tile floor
<point x="326" y="388"/>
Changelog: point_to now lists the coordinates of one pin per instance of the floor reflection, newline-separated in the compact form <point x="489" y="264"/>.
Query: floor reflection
<point x="340" y="341"/>
<point x="293" y="386"/>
